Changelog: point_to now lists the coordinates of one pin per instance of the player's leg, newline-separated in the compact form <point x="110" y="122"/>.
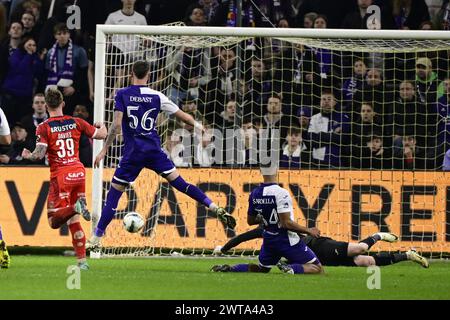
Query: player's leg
<point x="78" y="241"/>
<point x="125" y="174"/>
<point x="300" y="259"/>
<point x="356" y="249"/>
<point x="109" y="210"/>
<point x="364" y="261"/>
<point x="268" y="257"/>
<point x="5" y="260"/>
<point x="59" y="209"/>
<point x="367" y="243"/>
<point x="250" y="267"/>
<point x="78" y="199"/>
<point x="176" y="181"/>
<point x="235" y="241"/>
<point x="385" y="259"/>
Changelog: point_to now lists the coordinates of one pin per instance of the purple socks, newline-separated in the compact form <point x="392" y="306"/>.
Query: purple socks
<point x="109" y="210"/>
<point x="191" y="190"/>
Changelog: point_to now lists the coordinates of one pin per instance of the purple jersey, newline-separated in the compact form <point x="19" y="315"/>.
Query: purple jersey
<point x="446" y="165"/>
<point x="269" y="200"/>
<point x="140" y="106"/>
<point x="142" y="146"/>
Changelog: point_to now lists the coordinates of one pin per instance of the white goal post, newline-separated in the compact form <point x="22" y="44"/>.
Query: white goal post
<point x="381" y="191"/>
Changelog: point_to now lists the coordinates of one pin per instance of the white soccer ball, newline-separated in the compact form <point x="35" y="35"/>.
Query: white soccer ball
<point x="133" y="222"/>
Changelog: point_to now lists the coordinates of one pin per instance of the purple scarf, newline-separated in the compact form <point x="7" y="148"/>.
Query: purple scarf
<point x="54" y="75"/>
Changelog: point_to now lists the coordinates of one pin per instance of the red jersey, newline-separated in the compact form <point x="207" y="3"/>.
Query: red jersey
<point x="61" y="135"/>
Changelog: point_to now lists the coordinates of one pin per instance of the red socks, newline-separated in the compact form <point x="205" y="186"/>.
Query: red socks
<point x="78" y="240"/>
<point x="61" y="216"/>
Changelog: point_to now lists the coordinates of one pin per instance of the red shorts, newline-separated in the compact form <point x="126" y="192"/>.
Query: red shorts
<point x="65" y="188"/>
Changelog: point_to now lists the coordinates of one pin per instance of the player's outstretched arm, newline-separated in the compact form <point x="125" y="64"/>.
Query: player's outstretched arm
<point x="102" y="132"/>
<point x="188" y="119"/>
<point x="37" y="154"/>
<point x="111" y="136"/>
<point x="287" y="223"/>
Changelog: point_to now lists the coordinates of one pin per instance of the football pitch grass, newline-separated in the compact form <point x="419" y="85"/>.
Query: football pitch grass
<point x="46" y="277"/>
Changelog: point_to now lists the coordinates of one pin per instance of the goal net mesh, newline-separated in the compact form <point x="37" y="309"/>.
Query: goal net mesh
<point x="363" y="127"/>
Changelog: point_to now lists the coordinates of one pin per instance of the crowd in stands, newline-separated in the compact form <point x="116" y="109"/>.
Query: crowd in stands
<point x="333" y="109"/>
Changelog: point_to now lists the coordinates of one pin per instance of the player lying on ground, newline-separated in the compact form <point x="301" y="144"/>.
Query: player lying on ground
<point x="5" y="142"/>
<point x="272" y="205"/>
<point x="338" y="253"/>
<point x="135" y="112"/>
<point x="59" y="136"/>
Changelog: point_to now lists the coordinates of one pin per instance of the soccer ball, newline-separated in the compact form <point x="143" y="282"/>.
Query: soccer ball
<point x="133" y="222"/>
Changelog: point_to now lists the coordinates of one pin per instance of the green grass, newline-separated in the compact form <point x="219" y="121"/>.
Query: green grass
<point x="45" y="277"/>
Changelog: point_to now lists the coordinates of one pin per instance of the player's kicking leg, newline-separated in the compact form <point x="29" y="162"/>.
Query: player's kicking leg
<point x="5" y="260"/>
<point x="195" y="193"/>
<point x="59" y="209"/>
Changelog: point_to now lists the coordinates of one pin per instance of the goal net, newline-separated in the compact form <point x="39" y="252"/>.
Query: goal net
<point x="359" y="121"/>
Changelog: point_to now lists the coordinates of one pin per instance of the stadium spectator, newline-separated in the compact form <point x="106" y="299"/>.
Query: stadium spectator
<point x="443" y="124"/>
<point x="443" y="18"/>
<point x="32" y="6"/>
<point x="303" y="116"/>
<point x="254" y="13"/>
<point x="85" y="147"/>
<point x="258" y="87"/>
<point x="25" y="66"/>
<point x="189" y="105"/>
<point x="328" y="131"/>
<point x="376" y="90"/>
<point x="435" y="7"/>
<point x="9" y="45"/>
<point x="29" y="25"/>
<point x="333" y="10"/>
<point x="296" y="153"/>
<point x="190" y="68"/>
<point x="209" y="8"/>
<point x="354" y="83"/>
<point x="411" y="156"/>
<point x="365" y="125"/>
<point x="223" y="84"/>
<point x="196" y="17"/>
<point x="375" y="156"/>
<point x="124" y="47"/>
<point x="67" y="66"/>
<point x="274" y="118"/>
<point x="3" y="22"/>
<point x="427" y="82"/>
<point x="32" y="120"/>
<point x="357" y="19"/>
<point x="320" y="22"/>
<point x="249" y="156"/>
<point x="409" y="14"/>
<point x="426" y="25"/>
<point x="174" y="148"/>
<point x="295" y="69"/>
<point x="19" y="141"/>
<point x="411" y="117"/>
<point x="5" y="134"/>
<point x="446" y="162"/>
<point x="308" y="20"/>
<point x="226" y="119"/>
<point x="205" y="150"/>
